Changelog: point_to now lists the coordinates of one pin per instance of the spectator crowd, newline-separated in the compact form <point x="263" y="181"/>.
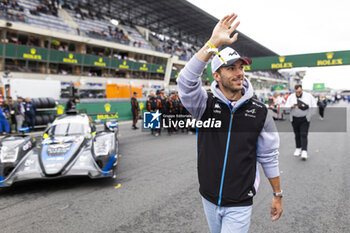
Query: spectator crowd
<point x="11" y="10"/>
<point x="16" y="114"/>
<point x="171" y="109"/>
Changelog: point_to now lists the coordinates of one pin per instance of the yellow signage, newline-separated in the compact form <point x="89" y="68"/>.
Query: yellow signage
<point x="60" y="109"/>
<point x="107" y="116"/>
<point x="329" y="55"/>
<point x="144" y="67"/>
<point x="160" y="70"/>
<point x="107" y="107"/>
<point x="282" y="64"/>
<point x="246" y="67"/>
<point x="329" y="61"/>
<point x="70" y="59"/>
<point x="32" y="55"/>
<point x="124" y="65"/>
<point x="100" y="62"/>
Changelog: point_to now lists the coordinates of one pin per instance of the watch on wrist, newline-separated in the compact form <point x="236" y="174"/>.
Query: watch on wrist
<point x="279" y="194"/>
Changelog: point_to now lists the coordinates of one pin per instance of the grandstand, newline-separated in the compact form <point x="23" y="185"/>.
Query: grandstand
<point x="79" y="42"/>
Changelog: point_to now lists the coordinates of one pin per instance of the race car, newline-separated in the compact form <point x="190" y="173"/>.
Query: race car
<point x="70" y="146"/>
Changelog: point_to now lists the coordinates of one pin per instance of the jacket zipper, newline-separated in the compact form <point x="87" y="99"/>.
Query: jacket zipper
<point x="227" y="147"/>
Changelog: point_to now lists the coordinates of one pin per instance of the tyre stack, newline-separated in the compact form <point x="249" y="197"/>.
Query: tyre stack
<point x="44" y="106"/>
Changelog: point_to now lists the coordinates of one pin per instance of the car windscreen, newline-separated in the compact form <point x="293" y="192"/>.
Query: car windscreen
<point x="66" y="129"/>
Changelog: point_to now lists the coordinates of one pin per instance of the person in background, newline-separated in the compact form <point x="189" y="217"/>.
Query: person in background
<point x="302" y="106"/>
<point x="29" y="109"/>
<point x="9" y="108"/>
<point x="171" y="106"/>
<point x="279" y="103"/>
<point x="134" y="109"/>
<point x="19" y="112"/>
<point x="71" y="104"/>
<point x="162" y="99"/>
<point x="153" y="104"/>
<point x="4" y="125"/>
<point x="321" y="103"/>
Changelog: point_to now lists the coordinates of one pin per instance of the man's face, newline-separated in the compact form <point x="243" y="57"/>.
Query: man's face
<point x="298" y="92"/>
<point x="151" y="93"/>
<point x="231" y="77"/>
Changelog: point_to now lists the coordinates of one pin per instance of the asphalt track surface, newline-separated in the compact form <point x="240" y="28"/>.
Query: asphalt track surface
<point x="156" y="189"/>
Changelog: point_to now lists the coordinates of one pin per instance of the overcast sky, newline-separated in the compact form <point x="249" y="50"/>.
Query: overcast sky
<point x="294" y="27"/>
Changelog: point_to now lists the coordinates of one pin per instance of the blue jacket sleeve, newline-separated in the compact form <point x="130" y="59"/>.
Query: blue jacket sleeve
<point x="192" y="94"/>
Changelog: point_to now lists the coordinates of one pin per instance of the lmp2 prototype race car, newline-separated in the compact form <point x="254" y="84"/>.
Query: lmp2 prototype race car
<point x="70" y="146"/>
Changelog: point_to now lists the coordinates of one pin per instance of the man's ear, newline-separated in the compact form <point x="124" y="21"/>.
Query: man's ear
<point x="217" y="76"/>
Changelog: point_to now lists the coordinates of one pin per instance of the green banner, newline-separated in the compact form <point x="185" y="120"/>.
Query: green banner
<point x="302" y="60"/>
<point x="32" y="53"/>
<point x="1" y="48"/>
<point x="157" y="69"/>
<point x="174" y="74"/>
<point x="209" y="73"/>
<point x="54" y="56"/>
<point x="141" y="67"/>
<point x="104" y="111"/>
<point x="10" y="50"/>
<point x="70" y="58"/>
<point x="318" y="87"/>
<point x="122" y="64"/>
<point x="278" y="87"/>
<point x="259" y="63"/>
<point x="90" y="60"/>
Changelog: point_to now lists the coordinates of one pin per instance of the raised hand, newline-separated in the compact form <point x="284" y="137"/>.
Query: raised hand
<point x="223" y="30"/>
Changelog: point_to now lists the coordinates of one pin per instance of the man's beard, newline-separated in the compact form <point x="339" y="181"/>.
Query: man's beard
<point x="230" y="87"/>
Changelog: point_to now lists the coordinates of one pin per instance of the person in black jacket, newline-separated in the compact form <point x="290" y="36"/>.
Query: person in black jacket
<point x="153" y="104"/>
<point x="29" y="109"/>
<point x="71" y="104"/>
<point x="322" y="104"/>
<point x="162" y="108"/>
<point x="163" y="99"/>
<point x="134" y="110"/>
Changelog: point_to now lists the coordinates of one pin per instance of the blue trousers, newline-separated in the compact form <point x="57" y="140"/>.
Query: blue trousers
<point x="227" y="219"/>
<point x="4" y="125"/>
<point x="30" y="120"/>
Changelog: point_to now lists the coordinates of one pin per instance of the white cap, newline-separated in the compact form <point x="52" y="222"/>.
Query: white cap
<point x="230" y="56"/>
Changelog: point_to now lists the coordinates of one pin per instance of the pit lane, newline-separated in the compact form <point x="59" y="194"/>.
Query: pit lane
<point x="156" y="189"/>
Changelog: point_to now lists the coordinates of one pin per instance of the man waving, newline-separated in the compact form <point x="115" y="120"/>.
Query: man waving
<point x="227" y="156"/>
